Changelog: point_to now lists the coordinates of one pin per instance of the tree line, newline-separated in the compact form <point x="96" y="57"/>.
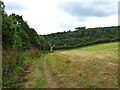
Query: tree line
<point x="82" y="37"/>
<point x="16" y="33"/>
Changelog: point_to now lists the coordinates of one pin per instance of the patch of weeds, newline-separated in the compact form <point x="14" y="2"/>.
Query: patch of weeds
<point x="93" y="65"/>
<point x="41" y="67"/>
<point x="90" y="85"/>
<point x="14" y="63"/>
<point x="30" y="78"/>
<point x="49" y="59"/>
<point x="34" y="53"/>
<point x="40" y="83"/>
<point x="115" y="83"/>
<point x="67" y="61"/>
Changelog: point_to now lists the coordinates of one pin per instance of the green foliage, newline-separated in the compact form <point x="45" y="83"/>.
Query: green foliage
<point x="82" y="37"/>
<point x="18" y="37"/>
<point x="17" y="34"/>
<point x="12" y="66"/>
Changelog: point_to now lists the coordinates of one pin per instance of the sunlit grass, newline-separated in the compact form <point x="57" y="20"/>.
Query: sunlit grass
<point x="108" y="47"/>
<point x="93" y="66"/>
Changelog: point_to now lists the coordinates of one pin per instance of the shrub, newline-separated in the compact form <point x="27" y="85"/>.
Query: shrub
<point x="10" y="59"/>
<point x="34" y="53"/>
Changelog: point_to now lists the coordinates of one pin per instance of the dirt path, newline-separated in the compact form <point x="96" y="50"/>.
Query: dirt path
<point x="51" y="82"/>
<point x="36" y="75"/>
<point x="38" y="78"/>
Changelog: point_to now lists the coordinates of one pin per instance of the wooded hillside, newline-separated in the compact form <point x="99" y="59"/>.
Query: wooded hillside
<point x="82" y="37"/>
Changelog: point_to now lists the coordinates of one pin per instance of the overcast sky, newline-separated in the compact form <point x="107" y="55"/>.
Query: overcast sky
<point x="50" y="16"/>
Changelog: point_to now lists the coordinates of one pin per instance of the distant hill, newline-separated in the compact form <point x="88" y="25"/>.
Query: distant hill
<point x="82" y="37"/>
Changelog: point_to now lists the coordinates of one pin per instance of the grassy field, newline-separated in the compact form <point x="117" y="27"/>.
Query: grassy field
<point x="87" y="67"/>
<point x="93" y="66"/>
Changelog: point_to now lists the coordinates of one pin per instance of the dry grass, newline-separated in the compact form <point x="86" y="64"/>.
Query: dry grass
<point x="85" y="69"/>
<point x="34" y="53"/>
<point x="14" y="62"/>
<point x="10" y="59"/>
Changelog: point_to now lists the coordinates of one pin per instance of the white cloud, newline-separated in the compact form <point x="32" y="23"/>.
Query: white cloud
<point x="45" y="17"/>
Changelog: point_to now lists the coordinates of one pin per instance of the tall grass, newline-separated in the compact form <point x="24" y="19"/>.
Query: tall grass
<point x="34" y="53"/>
<point x="13" y="64"/>
<point x="9" y="60"/>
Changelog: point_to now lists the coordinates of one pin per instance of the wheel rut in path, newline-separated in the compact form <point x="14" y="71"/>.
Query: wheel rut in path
<point x="51" y="82"/>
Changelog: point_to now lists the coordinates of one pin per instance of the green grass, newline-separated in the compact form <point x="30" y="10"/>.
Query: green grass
<point x="32" y="58"/>
<point x="10" y="79"/>
<point x="93" y="66"/>
<point x="40" y="83"/>
<point x="36" y="79"/>
<point x="108" y="47"/>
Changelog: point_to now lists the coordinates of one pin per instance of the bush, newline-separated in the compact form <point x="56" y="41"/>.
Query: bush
<point x="34" y="53"/>
<point x="10" y="59"/>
